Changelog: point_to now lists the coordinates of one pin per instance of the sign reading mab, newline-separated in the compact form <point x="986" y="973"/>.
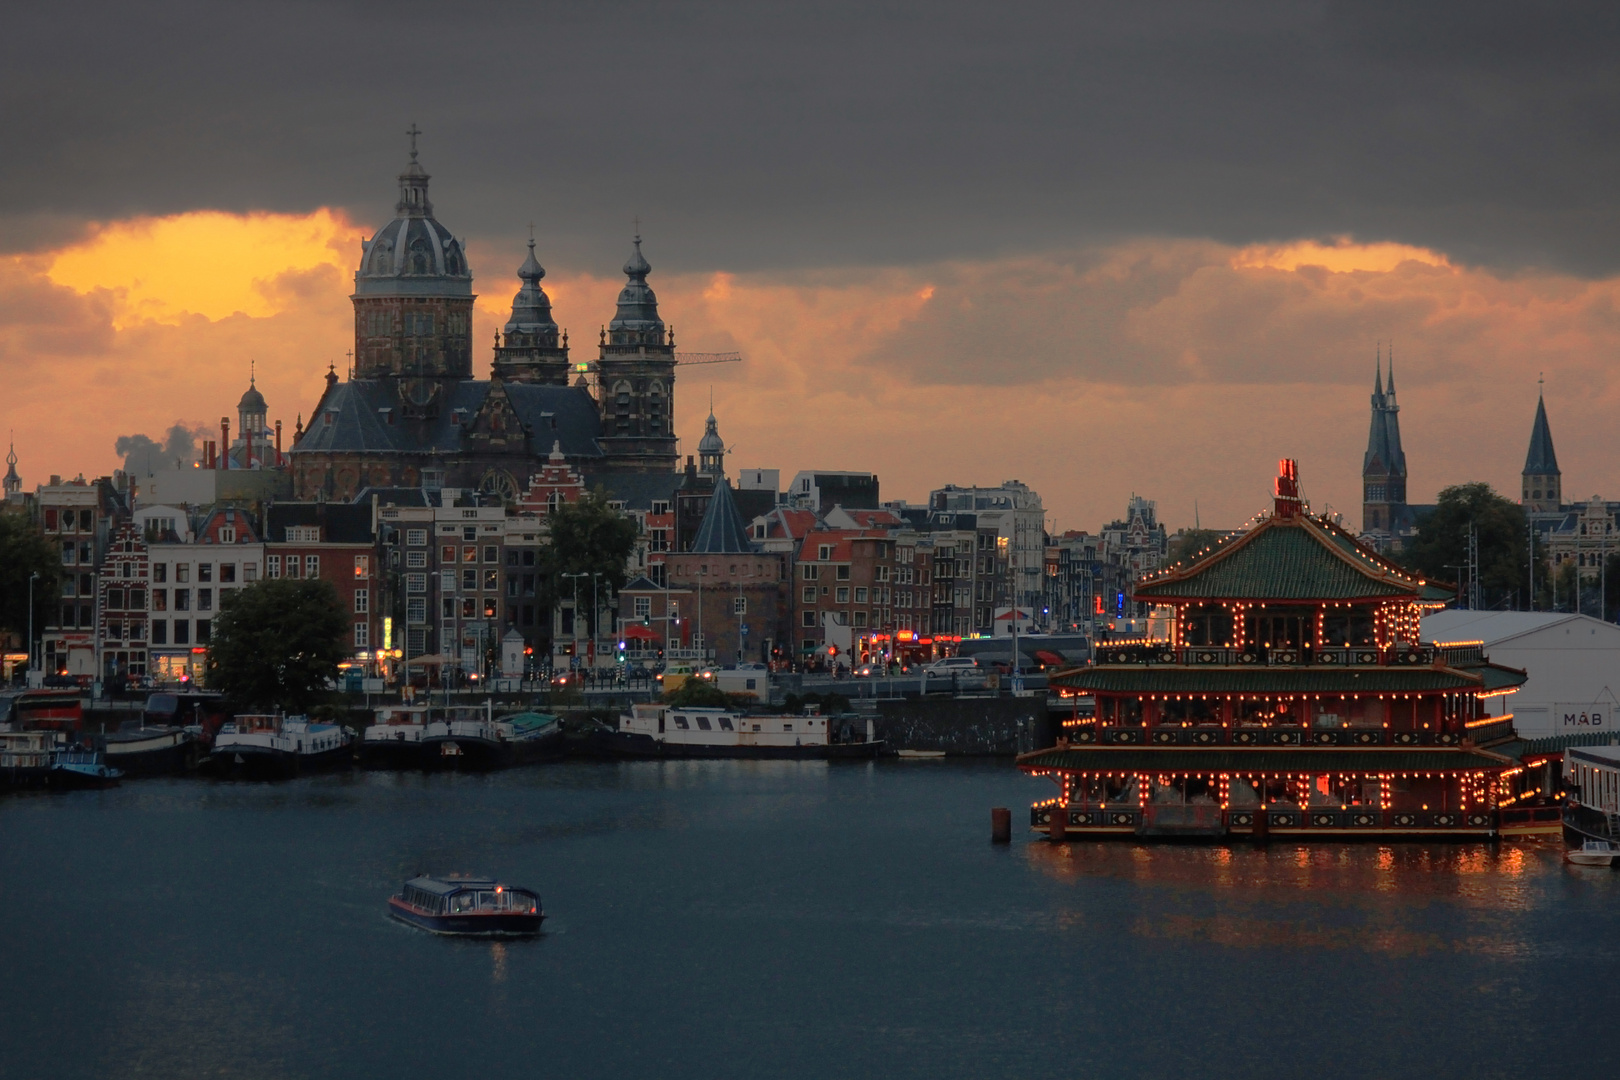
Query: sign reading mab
<point x="1591" y="716"/>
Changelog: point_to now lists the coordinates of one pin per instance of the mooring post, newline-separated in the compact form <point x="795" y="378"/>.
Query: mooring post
<point x="1000" y="825"/>
<point x="1057" y="826"/>
<point x="1262" y="826"/>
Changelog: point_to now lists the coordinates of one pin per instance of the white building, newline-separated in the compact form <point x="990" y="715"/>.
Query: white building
<point x="1573" y="662"/>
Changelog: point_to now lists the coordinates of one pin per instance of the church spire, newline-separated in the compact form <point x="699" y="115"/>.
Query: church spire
<point x="1543" y="482"/>
<point x="13" y="482"/>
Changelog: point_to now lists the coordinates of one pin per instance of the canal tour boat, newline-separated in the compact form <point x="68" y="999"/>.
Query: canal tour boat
<point x="476" y="739"/>
<point x="676" y="732"/>
<point x="394" y="740"/>
<point x="76" y="767"/>
<point x="275" y="747"/>
<point x="467" y="907"/>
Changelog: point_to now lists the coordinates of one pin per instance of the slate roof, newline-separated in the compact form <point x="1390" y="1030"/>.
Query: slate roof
<point x="398" y="496"/>
<point x="637" y="491"/>
<point x="1284" y="559"/>
<point x="340" y="523"/>
<point x="358" y="422"/>
<point x="1234" y="759"/>
<point x="1541" y="460"/>
<point x="723" y="529"/>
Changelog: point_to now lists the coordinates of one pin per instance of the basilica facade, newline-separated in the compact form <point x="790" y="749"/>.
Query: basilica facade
<point x="412" y="413"/>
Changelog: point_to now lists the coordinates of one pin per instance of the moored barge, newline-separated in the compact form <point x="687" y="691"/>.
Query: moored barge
<point x="1292" y="697"/>
<point x="467" y="907"/>
<point x="273" y="747"/>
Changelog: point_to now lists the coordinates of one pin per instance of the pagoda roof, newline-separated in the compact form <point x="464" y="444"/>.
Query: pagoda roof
<point x="1298" y="558"/>
<point x="1143" y="679"/>
<point x="1266" y="759"/>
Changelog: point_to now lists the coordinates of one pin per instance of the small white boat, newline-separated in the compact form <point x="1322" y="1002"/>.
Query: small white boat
<point x="1593" y="853"/>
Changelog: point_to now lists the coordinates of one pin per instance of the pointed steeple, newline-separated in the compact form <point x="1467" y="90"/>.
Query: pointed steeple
<point x="1541" y="460"/>
<point x="1383" y="467"/>
<point x="530" y="351"/>
<point x="637" y="321"/>
<point x="723" y="530"/>
<point x="13" y="482"/>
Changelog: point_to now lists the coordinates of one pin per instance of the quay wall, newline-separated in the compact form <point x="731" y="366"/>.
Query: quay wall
<point x="976" y="726"/>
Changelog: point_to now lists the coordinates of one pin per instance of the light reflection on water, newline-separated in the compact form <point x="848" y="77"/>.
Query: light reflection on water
<point x="728" y="919"/>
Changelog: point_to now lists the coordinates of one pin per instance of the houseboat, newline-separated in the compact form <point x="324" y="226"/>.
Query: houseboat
<point x="137" y="750"/>
<point x="394" y="739"/>
<point x="467" y="907"/>
<point x="275" y="747"/>
<point x="78" y="767"/>
<point x="200" y="712"/>
<point x="1592" y="781"/>
<point x="1292" y="697"/>
<point x="676" y="732"/>
<point x="25" y="757"/>
<point x="476" y="739"/>
<point x="42" y="710"/>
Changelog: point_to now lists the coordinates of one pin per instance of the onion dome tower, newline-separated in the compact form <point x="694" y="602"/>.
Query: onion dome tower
<point x="251" y="410"/>
<point x="711" y="448"/>
<point x="636" y="377"/>
<point x="530" y="351"/>
<point x="413" y="299"/>
<point x="13" y="482"/>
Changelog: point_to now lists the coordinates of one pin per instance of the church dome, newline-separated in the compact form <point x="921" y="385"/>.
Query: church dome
<point x="413" y="255"/>
<point x="531" y="307"/>
<point x="711" y="443"/>
<point x="252" y="401"/>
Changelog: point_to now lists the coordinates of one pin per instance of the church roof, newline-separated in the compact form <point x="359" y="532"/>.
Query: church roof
<point x="723" y="529"/>
<point x="531" y="307"/>
<point x="353" y="418"/>
<point x="413" y="255"/>
<point x="638" y="307"/>
<point x="252" y="400"/>
<point x="1541" y="460"/>
<point x="1384" y="454"/>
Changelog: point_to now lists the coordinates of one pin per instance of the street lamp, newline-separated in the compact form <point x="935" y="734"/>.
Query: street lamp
<point x="33" y="577"/>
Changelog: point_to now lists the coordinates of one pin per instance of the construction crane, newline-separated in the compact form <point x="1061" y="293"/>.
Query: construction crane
<point x="692" y="359"/>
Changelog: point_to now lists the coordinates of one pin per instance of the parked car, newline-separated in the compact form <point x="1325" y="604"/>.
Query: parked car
<point x="951" y="665"/>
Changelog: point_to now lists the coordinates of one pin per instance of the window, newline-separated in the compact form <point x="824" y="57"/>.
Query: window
<point x="294" y="566"/>
<point x="416" y="583"/>
<point x="182" y="599"/>
<point x="312" y="566"/>
<point x="182" y="571"/>
<point x="160" y="631"/>
<point x="182" y="632"/>
<point x="416" y="609"/>
<point x="809" y="594"/>
<point x="69" y="552"/>
<point x="115" y="629"/>
<point x="137" y="599"/>
<point x="469" y="554"/>
<point x="362" y="601"/>
<point x="416" y="538"/>
<point x="362" y="566"/>
<point x="492" y="580"/>
<point x="447" y="554"/>
<point x="809" y="571"/>
<point x="272" y="566"/>
<point x="362" y="635"/>
<point x="160" y="572"/>
<point x="447" y="581"/>
<point x="447" y="608"/>
<point x="489" y="608"/>
<point x="469" y="607"/>
<point x="492" y="554"/>
<point x="469" y="580"/>
<point x="227" y="572"/>
<point x="860" y="618"/>
<point x="703" y="723"/>
<point x="203" y="628"/>
<point x="739" y="605"/>
<point x="205" y="571"/>
<point x="860" y="595"/>
<point x="643" y="607"/>
<point x="227" y="534"/>
<point x="160" y="599"/>
<point x="842" y="594"/>
<point x="303" y="534"/>
<point x="205" y="599"/>
<point x="843" y="572"/>
<point x="415" y="560"/>
<point x="809" y="618"/>
<point x="137" y="630"/>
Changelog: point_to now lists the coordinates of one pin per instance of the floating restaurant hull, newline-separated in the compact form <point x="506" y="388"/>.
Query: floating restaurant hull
<point x="1292" y="698"/>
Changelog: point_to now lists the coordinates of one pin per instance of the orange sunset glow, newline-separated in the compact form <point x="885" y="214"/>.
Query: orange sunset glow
<point x="1183" y="344"/>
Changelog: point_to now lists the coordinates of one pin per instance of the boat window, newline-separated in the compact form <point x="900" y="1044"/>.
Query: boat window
<point x="725" y="724"/>
<point x="486" y="901"/>
<point x="756" y="727"/>
<point x="787" y="727"/>
<point x="703" y="723"/>
<point x="463" y="902"/>
<point x="680" y="722"/>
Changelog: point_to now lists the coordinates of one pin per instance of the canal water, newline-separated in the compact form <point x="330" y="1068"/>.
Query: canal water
<point x="745" y="919"/>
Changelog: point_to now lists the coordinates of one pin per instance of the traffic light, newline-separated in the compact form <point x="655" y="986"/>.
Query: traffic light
<point x="621" y="651"/>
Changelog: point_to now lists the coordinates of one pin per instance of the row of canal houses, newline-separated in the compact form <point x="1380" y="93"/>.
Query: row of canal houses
<point x="1292" y="697"/>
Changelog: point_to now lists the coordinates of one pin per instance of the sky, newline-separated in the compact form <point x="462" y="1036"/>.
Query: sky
<point x="1103" y="249"/>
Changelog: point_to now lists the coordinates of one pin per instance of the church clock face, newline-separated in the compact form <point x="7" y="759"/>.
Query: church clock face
<point x="418" y="392"/>
<point x="499" y="482"/>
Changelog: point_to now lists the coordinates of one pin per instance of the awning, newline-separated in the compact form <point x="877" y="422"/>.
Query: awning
<point x="642" y="633"/>
<point x="1046" y="656"/>
<point x="432" y="659"/>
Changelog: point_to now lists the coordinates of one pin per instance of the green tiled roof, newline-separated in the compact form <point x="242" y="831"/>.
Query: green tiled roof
<point x="1298" y="559"/>
<point x="1145" y="679"/>
<point x="1233" y="759"/>
<point x="1552" y="744"/>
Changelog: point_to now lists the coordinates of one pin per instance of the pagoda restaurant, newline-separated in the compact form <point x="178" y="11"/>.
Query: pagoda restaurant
<point x="1293" y="697"/>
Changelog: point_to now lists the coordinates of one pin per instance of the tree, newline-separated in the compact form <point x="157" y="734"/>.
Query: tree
<point x="277" y="644"/>
<point x="586" y="537"/>
<point x="24" y="551"/>
<point x="1189" y="542"/>
<point x="1441" y="544"/>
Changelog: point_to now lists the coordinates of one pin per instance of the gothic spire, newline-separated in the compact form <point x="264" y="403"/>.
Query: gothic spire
<point x="1541" y="460"/>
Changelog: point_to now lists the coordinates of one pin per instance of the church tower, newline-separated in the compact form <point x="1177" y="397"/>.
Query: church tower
<point x="530" y="351"/>
<point x="13" y="482"/>
<point x="1543" y="483"/>
<point x="1384" y="514"/>
<point x="413" y="302"/>
<point x="711" y="448"/>
<point x="251" y="411"/>
<point x="636" y="379"/>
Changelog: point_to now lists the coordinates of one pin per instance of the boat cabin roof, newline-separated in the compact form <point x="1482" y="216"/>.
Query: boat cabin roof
<point x="448" y="886"/>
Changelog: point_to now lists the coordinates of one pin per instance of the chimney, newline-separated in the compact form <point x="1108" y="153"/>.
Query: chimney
<point x="224" y="442"/>
<point x="247" y="446"/>
<point x="278" y="442"/>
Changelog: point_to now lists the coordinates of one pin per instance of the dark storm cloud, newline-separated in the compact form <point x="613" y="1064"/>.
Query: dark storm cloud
<point x="755" y="136"/>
